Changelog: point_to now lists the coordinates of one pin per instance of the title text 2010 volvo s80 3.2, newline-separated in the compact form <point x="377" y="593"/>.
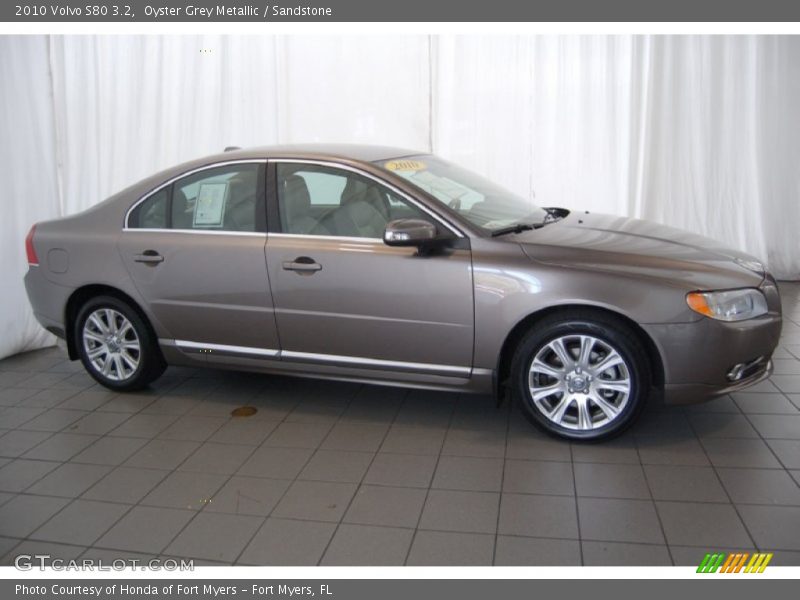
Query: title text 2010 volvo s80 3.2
<point x="387" y="266"/>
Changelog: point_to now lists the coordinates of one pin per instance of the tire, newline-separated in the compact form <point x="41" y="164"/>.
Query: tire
<point x="587" y="395"/>
<point x="116" y="345"/>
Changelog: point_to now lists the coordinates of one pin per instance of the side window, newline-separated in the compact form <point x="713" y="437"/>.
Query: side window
<point x="223" y="198"/>
<point x="317" y="200"/>
<point x="152" y="213"/>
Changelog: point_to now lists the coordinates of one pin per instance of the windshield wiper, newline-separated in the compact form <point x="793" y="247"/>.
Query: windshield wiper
<point x="518" y="228"/>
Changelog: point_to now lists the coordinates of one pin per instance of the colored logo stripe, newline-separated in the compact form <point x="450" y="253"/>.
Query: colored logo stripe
<point x="734" y="562"/>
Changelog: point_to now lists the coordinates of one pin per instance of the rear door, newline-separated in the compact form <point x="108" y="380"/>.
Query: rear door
<point x="195" y="250"/>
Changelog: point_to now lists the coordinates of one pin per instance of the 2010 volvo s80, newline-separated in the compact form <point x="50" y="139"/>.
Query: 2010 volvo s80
<point x="387" y="266"/>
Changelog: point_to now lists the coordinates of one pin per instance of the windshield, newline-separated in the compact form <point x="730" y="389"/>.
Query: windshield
<point x="478" y="200"/>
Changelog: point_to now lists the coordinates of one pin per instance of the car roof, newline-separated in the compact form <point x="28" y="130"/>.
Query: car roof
<point x="358" y="152"/>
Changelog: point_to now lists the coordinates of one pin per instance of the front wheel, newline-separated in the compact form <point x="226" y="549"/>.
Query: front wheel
<point x="581" y="376"/>
<point x="116" y="346"/>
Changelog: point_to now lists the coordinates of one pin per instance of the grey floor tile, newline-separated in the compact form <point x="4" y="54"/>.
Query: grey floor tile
<point x="529" y="444"/>
<point x="193" y="429"/>
<point x="144" y="425"/>
<point x="87" y="400"/>
<point x="765" y="404"/>
<point x="337" y="465"/>
<point x="173" y="404"/>
<point x="98" y="423"/>
<point x="773" y="527"/>
<point x="787" y="451"/>
<point x="145" y="529"/>
<point x="248" y="496"/>
<point x="298" y="435"/>
<point x="538" y="516"/>
<point x="276" y="463"/>
<point x="490" y="443"/>
<point x="796" y="475"/>
<point x="404" y="470"/>
<point x="621" y="450"/>
<point x="54" y="419"/>
<point x="690" y="523"/>
<point x="20" y="473"/>
<point x="81" y="523"/>
<point x="469" y="473"/>
<point x="315" y="500"/>
<point x="127" y="485"/>
<point x="69" y="480"/>
<point x="621" y="554"/>
<point x="685" y="483"/>
<point x="362" y="545"/>
<point x="390" y="506"/>
<point x="61" y="446"/>
<point x="316" y="410"/>
<point x="722" y="426"/>
<point x="17" y="442"/>
<point x="288" y="542"/>
<point x="446" y="548"/>
<point x="17" y="416"/>
<point x="217" y="458"/>
<point x="363" y="437"/>
<point x="740" y="453"/>
<point x="721" y="404"/>
<point x="185" y="490"/>
<point x="471" y="512"/>
<point x="47" y="398"/>
<point x="413" y="440"/>
<point x="789" y="384"/>
<point x="23" y="514"/>
<point x="244" y="431"/>
<point x="614" y="520"/>
<point x="127" y="404"/>
<point x="162" y="454"/>
<point x="527" y="551"/>
<point x="215" y="536"/>
<point x="760" y="486"/>
<point x="663" y="450"/>
<point x="777" y="426"/>
<point x="538" y="477"/>
<point x="38" y="548"/>
<point x="110" y="451"/>
<point x="610" y="481"/>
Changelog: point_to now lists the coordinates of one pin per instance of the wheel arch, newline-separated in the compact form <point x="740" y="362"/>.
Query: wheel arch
<point x="519" y="330"/>
<point x="82" y="295"/>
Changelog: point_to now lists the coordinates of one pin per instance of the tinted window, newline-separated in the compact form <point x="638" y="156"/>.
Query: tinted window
<point x="152" y="213"/>
<point x="316" y="200"/>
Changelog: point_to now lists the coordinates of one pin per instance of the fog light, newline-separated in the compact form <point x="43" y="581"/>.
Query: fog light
<point x="743" y="370"/>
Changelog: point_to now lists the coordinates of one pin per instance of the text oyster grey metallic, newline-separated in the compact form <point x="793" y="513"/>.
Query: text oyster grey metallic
<point x="580" y="315"/>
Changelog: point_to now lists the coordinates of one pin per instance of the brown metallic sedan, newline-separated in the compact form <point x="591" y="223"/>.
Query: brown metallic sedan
<point x="387" y="266"/>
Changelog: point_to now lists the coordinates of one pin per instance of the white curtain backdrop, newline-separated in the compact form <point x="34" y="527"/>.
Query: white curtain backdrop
<point x="700" y="132"/>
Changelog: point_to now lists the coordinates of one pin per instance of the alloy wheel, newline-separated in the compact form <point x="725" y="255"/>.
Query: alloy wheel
<point x="111" y="344"/>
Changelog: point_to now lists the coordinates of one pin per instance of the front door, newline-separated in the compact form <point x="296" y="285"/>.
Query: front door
<point x="195" y="250"/>
<point x="343" y="297"/>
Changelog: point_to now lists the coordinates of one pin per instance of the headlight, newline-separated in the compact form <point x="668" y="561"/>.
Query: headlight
<point x="733" y="305"/>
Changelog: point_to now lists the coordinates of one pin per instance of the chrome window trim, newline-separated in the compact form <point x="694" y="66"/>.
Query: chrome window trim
<point x="224" y="163"/>
<point x="260" y="234"/>
<point x="338" y="238"/>
<point x="326" y="163"/>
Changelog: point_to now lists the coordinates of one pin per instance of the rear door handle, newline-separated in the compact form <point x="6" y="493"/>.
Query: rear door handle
<point x="302" y="264"/>
<point x="149" y="257"/>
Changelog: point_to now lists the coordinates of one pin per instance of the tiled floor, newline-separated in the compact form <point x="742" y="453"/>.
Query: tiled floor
<point x="329" y="473"/>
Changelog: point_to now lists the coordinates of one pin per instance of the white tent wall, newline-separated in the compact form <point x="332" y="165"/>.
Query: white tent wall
<point x="701" y="132"/>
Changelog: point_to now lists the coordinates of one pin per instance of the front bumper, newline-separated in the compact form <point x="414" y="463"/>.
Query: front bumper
<point x="699" y="356"/>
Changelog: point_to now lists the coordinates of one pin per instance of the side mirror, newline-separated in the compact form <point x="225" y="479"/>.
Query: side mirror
<point x="409" y="232"/>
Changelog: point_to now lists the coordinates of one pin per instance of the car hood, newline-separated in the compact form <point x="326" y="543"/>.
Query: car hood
<point x="638" y="247"/>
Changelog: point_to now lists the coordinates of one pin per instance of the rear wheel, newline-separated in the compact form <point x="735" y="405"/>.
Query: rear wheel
<point x="582" y="376"/>
<point x="116" y="346"/>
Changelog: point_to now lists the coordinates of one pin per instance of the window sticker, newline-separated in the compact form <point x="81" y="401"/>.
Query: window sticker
<point x="210" y="205"/>
<point x="405" y="165"/>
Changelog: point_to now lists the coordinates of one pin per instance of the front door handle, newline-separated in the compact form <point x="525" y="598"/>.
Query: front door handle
<point x="302" y="264"/>
<point x="149" y="257"/>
